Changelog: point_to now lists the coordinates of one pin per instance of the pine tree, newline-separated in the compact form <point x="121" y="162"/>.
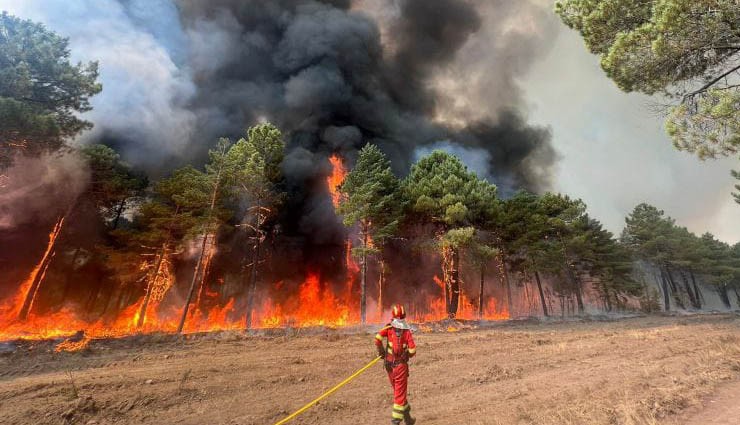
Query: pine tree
<point x="41" y="93"/>
<point x="256" y="162"/>
<point x="219" y="175"/>
<point x="171" y="215"/>
<point x="371" y="199"/>
<point x="442" y="192"/>
<point x="687" y="50"/>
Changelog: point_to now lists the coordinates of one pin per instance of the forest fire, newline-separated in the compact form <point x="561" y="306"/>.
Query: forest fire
<point x="315" y="302"/>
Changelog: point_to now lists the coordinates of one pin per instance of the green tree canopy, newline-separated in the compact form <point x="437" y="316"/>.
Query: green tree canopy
<point x="112" y="181"/>
<point x="41" y="92"/>
<point x="441" y="190"/>
<point x="687" y="50"/>
<point x="371" y="196"/>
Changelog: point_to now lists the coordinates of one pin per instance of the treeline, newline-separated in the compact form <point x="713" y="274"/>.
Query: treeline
<point x="448" y="209"/>
<point x="440" y="206"/>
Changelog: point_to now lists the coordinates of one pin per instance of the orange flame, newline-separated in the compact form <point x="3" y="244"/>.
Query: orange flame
<point x="333" y="181"/>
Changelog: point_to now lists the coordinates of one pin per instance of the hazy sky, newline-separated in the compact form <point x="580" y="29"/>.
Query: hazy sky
<point x="614" y="151"/>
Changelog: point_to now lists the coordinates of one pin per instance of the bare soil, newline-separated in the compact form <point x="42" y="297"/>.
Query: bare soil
<point x="651" y="370"/>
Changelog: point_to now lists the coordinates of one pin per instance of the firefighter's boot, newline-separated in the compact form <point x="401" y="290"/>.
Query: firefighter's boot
<point x="407" y="416"/>
<point x="395" y="422"/>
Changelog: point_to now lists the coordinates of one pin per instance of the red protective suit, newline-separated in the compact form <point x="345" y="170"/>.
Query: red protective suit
<point x="400" y="348"/>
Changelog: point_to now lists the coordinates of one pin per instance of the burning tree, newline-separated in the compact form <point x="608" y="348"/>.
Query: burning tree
<point x="371" y="199"/>
<point x="165" y="221"/>
<point x="442" y="192"/>
<point x="218" y="177"/>
<point x="256" y="165"/>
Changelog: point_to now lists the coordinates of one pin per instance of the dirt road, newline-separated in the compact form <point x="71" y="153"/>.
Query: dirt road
<point x="634" y="371"/>
<point x="719" y="408"/>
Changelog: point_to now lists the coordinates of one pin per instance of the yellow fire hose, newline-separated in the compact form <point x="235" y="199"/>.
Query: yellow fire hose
<point x="330" y="392"/>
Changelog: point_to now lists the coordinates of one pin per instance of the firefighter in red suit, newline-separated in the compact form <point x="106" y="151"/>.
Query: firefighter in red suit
<point x="399" y="348"/>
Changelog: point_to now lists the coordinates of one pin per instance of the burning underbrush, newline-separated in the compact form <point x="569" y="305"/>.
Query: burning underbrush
<point x="154" y="301"/>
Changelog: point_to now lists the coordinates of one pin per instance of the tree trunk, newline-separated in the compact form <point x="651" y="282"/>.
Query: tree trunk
<point x="693" y="299"/>
<point x="607" y="299"/>
<point x="363" y="277"/>
<point x="119" y="212"/>
<point x="381" y="278"/>
<point x="722" y="290"/>
<point x="542" y="293"/>
<point x="255" y="264"/>
<point x="37" y="275"/>
<point x="697" y="291"/>
<point x="674" y="288"/>
<point x="480" y="292"/>
<point x="253" y="283"/>
<point x="454" y="284"/>
<point x="666" y="295"/>
<point x="151" y="284"/>
<point x="193" y="281"/>
<point x="509" y="298"/>
<point x="198" y="266"/>
<point x="577" y="285"/>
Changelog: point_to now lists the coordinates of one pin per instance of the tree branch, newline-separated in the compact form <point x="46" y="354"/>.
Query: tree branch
<point x="710" y="84"/>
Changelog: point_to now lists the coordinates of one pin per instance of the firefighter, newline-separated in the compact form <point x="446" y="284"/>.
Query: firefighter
<point x="399" y="348"/>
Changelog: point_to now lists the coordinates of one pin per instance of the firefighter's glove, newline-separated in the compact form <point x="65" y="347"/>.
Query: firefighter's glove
<point x="381" y="352"/>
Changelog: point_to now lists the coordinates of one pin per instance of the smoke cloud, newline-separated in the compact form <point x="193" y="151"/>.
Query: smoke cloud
<point x="333" y="75"/>
<point x="30" y="188"/>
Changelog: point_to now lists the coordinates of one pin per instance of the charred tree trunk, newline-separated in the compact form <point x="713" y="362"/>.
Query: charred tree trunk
<point x="505" y="273"/>
<point x="37" y="275"/>
<point x="722" y="291"/>
<point x="577" y="288"/>
<point x="193" y="281"/>
<point x="199" y="265"/>
<point x="150" y="286"/>
<point x="363" y="276"/>
<point x="480" y="292"/>
<point x="674" y="288"/>
<point x="697" y="291"/>
<point x="119" y="212"/>
<point x="542" y="293"/>
<point x="607" y="300"/>
<point x="666" y="294"/>
<point x="253" y="283"/>
<point x="381" y="278"/>
<point x="454" y="285"/>
<point x="693" y="298"/>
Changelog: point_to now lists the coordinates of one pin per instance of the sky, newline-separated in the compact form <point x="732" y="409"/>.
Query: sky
<point x="612" y="150"/>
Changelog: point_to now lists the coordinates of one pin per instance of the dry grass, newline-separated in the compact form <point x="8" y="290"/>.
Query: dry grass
<point x="631" y="372"/>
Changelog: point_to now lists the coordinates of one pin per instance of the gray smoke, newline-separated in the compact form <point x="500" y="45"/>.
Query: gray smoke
<point x="334" y="75"/>
<point x="30" y="193"/>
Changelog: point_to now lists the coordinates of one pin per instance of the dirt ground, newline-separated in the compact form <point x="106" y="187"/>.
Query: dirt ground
<point x="653" y="370"/>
